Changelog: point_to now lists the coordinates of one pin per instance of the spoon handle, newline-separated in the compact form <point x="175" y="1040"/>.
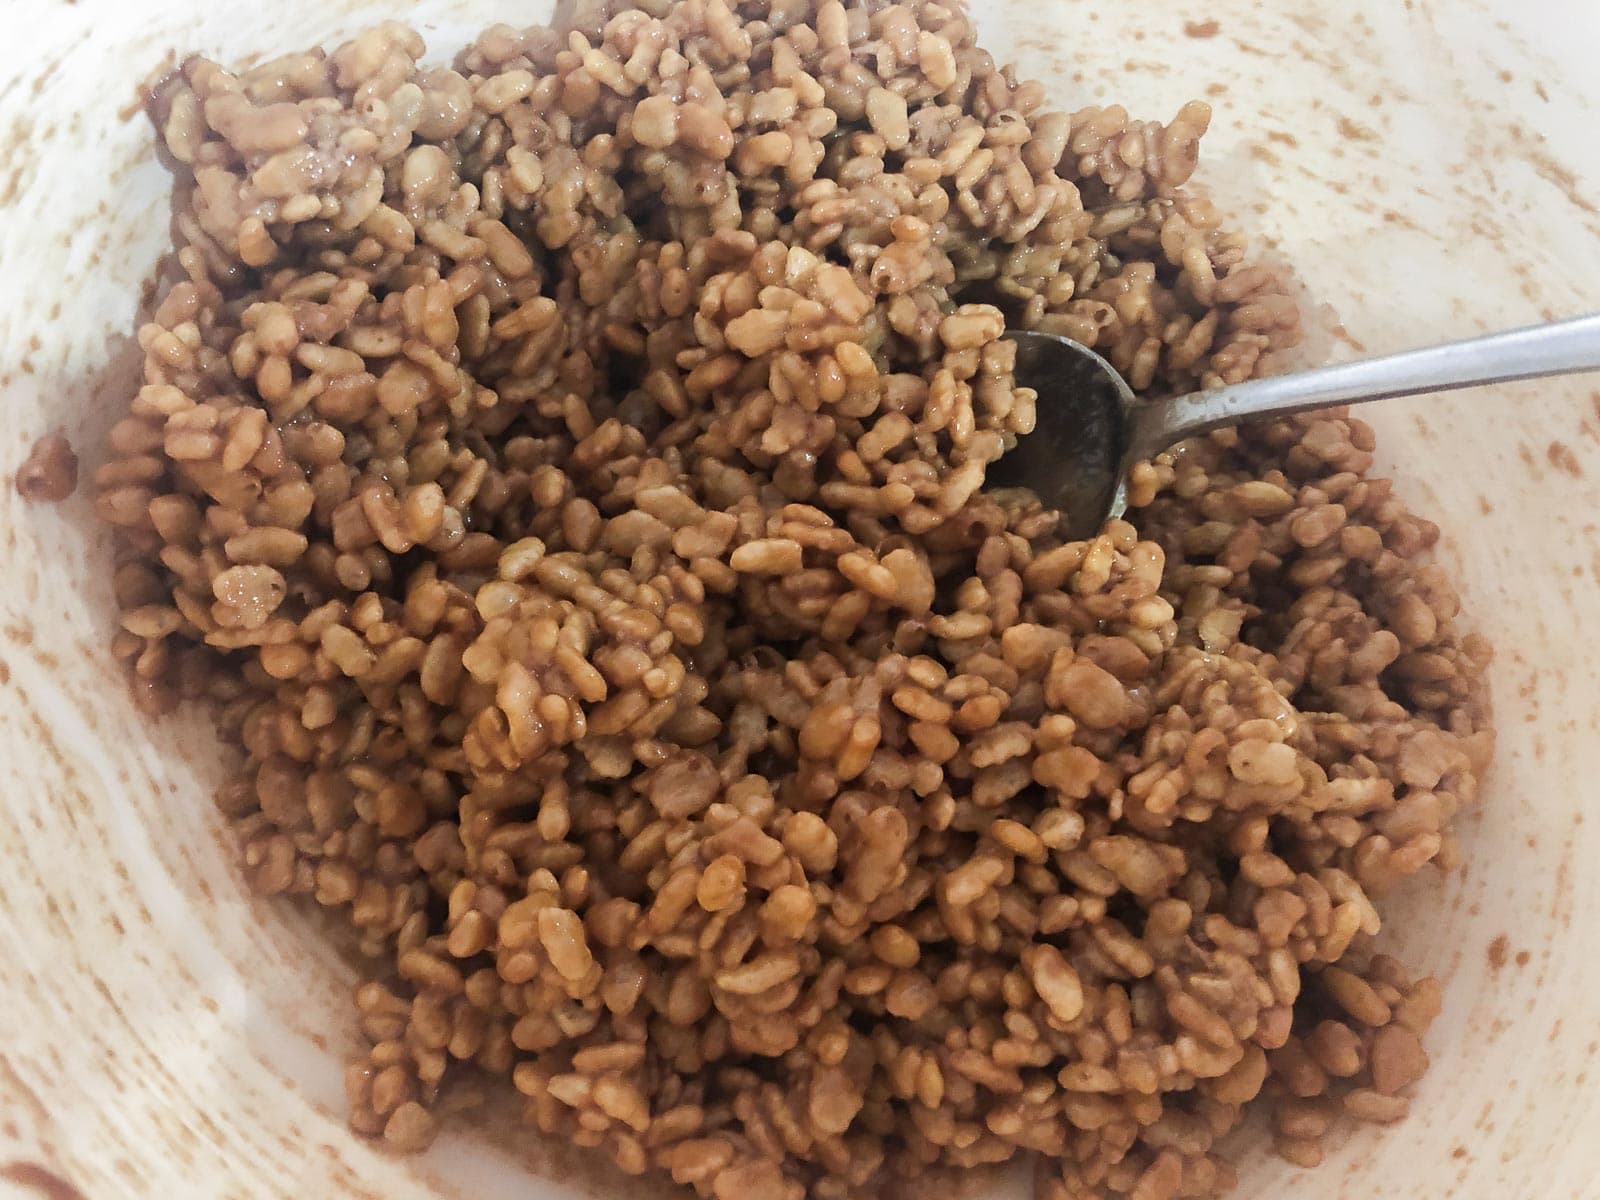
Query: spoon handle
<point x="1560" y="348"/>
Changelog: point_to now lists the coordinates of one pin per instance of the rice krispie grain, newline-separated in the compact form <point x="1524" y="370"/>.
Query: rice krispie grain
<point x="563" y="476"/>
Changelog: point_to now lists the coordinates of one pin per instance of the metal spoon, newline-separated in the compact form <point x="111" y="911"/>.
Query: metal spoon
<point x="1091" y="430"/>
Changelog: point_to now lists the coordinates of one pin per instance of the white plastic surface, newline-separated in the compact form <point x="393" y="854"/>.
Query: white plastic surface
<point x="1429" y="167"/>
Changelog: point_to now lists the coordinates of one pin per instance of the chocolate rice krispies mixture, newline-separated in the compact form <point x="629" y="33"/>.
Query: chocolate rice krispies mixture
<point x="562" y="475"/>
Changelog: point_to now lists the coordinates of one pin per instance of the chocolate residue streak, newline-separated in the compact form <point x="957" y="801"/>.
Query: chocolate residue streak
<point x="1563" y="459"/>
<point x="1349" y="339"/>
<point x="1498" y="950"/>
<point x="41" y="1179"/>
<point x="1562" y="179"/>
<point x="1355" y="131"/>
<point x="1201" y="29"/>
<point x="19" y="135"/>
<point x="41" y="80"/>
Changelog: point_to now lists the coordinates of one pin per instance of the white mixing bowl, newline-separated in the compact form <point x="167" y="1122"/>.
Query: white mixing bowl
<point x="1429" y="168"/>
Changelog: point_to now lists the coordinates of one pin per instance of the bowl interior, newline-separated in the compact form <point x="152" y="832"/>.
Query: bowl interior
<point x="1429" y="170"/>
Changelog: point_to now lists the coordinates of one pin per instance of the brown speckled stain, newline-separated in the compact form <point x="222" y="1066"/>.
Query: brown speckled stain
<point x="1498" y="950"/>
<point x="1342" y="334"/>
<point x="1562" y="458"/>
<point x="1355" y="131"/>
<point x="1202" y="29"/>
<point x="41" y="1179"/>
<point x="1559" y="177"/>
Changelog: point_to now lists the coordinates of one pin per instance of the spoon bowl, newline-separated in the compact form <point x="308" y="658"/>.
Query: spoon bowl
<point x="1074" y="458"/>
